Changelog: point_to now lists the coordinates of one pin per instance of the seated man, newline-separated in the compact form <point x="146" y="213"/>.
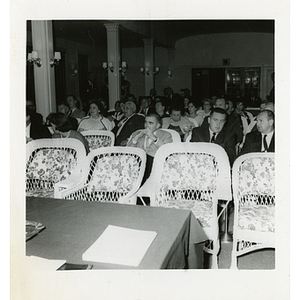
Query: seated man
<point x="35" y="129"/>
<point x="65" y="109"/>
<point x="146" y="107"/>
<point x="62" y="128"/>
<point x="215" y="133"/>
<point x="233" y="121"/>
<point x="261" y="140"/>
<point x="150" y="139"/>
<point x="131" y="122"/>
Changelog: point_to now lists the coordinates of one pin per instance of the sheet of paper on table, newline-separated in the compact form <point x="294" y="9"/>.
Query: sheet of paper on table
<point x="119" y="245"/>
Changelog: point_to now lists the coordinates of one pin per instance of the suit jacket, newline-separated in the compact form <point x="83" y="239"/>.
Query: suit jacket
<point x="253" y="143"/>
<point x="163" y="137"/>
<point x="135" y="122"/>
<point x="77" y="114"/>
<point x="225" y="140"/>
<point x="38" y="130"/>
<point x="233" y="126"/>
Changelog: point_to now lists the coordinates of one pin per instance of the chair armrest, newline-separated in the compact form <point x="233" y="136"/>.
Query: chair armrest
<point x="130" y="198"/>
<point x="148" y="189"/>
<point x="66" y="184"/>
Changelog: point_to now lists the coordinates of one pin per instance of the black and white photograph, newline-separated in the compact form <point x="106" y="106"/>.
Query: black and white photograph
<point x="151" y="160"/>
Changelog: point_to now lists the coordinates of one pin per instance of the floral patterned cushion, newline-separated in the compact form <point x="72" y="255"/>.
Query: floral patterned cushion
<point x="47" y="167"/>
<point x="186" y="180"/>
<point x="194" y="171"/>
<point x="115" y="173"/>
<point x="96" y="142"/>
<point x="201" y="209"/>
<point x="257" y="177"/>
<point x="257" y="217"/>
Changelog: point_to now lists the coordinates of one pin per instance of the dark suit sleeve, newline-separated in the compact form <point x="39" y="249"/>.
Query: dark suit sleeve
<point x="39" y="131"/>
<point x="194" y="137"/>
<point x="248" y="145"/>
<point x="230" y="148"/>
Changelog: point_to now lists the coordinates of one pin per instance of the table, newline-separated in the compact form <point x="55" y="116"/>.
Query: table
<point x="73" y="226"/>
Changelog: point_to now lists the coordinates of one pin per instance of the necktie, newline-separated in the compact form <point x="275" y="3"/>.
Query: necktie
<point x="213" y="137"/>
<point x="265" y="143"/>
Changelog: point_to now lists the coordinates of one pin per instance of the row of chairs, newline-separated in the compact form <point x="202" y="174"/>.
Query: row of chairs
<point x="185" y="175"/>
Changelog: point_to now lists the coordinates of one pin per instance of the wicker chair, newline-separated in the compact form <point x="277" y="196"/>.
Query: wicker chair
<point x="110" y="174"/>
<point x="191" y="176"/>
<point x="50" y="161"/>
<point x="99" y="138"/>
<point x="253" y="180"/>
<point x="175" y="135"/>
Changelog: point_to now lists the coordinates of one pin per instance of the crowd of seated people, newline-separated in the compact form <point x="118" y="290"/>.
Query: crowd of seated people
<point x="221" y="120"/>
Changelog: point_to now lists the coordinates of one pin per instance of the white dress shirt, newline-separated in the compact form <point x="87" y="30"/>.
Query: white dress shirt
<point x="268" y="138"/>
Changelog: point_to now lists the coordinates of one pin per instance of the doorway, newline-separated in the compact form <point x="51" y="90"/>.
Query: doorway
<point x="207" y="82"/>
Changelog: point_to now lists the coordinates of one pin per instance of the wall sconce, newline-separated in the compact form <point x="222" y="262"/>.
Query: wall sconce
<point x="56" y="59"/>
<point x="73" y="68"/>
<point x="34" y="59"/>
<point x="170" y="73"/>
<point x="110" y="66"/>
<point x="146" y="71"/>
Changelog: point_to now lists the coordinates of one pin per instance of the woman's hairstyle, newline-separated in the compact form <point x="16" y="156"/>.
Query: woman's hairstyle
<point x="177" y="108"/>
<point x="98" y="104"/>
<point x="207" y="100"/>
<point x="194" y="102"/>
<point x="61" y="122"/>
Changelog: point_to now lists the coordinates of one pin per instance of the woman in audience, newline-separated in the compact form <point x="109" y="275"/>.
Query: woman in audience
<point x="206" y="108"/>
<point x="95" y="120"/>
<point x="74" y="107"/>
<point x="192" y="109"/>
<point x="179" y="123"/>
<point x="62" y="128"/>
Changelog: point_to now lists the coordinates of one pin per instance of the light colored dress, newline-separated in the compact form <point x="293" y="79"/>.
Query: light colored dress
<point x="101" y="123"/>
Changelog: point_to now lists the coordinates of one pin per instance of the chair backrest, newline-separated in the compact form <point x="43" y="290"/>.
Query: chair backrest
<point x="190" y="171"/>
<point x="175" y="135"/>
<point x="51" y="160"/>
<point x="110" y="173"/>
<point x="253" y="182"/>
<point x="99" y="138"/>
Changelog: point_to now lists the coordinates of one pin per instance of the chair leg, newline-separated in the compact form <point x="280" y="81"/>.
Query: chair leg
<point x="214" y="264"/>
<point x="233" y="265"/>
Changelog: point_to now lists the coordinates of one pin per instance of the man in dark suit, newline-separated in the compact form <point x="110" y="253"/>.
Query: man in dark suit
<point x="35" y="129"/>
<point x="146" y="107"/>
<point x="215" y="133"/>
<point x="262" y="140"/>
<point x="131" y="122"/>
<point x="65" y="109"/>
<point x="88" y="91"/>
<point x="233" y="123"/>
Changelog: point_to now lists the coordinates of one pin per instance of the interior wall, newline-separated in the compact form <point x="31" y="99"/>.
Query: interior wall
<point x="97" y="55"/>
<point x="243" y="49"/>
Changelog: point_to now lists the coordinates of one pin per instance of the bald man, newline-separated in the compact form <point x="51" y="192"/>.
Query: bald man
<point x="262" y="140"/>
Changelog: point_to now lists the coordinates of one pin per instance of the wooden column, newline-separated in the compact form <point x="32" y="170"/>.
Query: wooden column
<point x="114" y="57"/>
<point x="44" y="79"/>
